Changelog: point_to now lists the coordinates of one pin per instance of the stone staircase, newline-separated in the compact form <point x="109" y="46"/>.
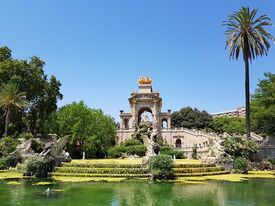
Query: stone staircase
<point x="199" y="169"/>
<point x="91" y="169"/>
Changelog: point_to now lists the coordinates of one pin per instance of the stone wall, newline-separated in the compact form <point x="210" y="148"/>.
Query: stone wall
<point x="266" y="150"/>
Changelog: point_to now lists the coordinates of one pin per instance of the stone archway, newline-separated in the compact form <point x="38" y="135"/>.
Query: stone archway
<point x="147" y="111"/>
<point x="164" y="123"/>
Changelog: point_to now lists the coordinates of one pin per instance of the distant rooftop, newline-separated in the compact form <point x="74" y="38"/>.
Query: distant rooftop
<point x="238" y="112"/>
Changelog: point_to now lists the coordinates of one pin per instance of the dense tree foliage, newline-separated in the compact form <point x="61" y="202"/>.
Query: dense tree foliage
<point x="230" y="125"/>
<point x="263" y="106"/>
<point x="7" y="145"/>
<point x="246" y="33"/>
<point x="90" y="130"/>
<point x="191" y="118"/>
<point x="42" y="92"/>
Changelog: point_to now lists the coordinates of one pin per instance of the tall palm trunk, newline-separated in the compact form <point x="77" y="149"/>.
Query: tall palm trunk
<point x="7" y="121"/>
<point x="247" y="100"/>
<point x="247" y="89"/>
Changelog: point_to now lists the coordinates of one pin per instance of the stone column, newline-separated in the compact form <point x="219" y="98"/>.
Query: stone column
<point x="169" y="122"/>
<point x="134" y="115"/>
<point x="121" y="123"/>
<point x="155" y="120"/>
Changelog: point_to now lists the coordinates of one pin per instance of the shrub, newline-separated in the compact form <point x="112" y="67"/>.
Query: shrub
<point x="39" y="166"/>
<point x="21" y="168"/>
<point x="26" y="135"/>
<point x="264" y="165"/>
<point x="131" y="147"/>
<point x="240" y="165"/>
<point x="7" y="145"/>
<point x="131" y="142"/>
<point x="161" y="167"/>
<point x="272" y="161"/>
<point x="4" y="163"/>
<point x="167" y="150"/>
<point x="194" y="152"/>
<point x="116" y="151"/>
<point x="139" y="150"/>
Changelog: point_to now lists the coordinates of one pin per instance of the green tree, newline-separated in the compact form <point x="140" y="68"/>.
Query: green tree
<point x="263" y="106"/>
<point x="5" y="54"/>
<point x="42" y="92"/>
<point x="191" y="118"/>
<point x="91" y="131"/>
<point x="245" y="33"/>
<point x="11" y="99"/>
<point x="230" y="125"/>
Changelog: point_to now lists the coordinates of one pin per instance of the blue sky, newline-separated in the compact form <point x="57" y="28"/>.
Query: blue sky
<point x="98" y="49"/>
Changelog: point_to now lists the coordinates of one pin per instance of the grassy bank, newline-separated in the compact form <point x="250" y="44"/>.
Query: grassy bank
<point x="181" y="165"/>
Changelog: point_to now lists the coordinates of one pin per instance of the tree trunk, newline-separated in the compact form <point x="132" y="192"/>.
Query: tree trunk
<point x="247" y="93"/>
<point x="7" y="122"/>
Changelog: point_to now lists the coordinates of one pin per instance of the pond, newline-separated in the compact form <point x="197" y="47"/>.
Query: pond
<point x="253" y="192"/>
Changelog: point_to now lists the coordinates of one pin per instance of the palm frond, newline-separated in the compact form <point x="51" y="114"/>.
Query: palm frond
<point x="246" y="34"/>
<point x="10" y="97"/>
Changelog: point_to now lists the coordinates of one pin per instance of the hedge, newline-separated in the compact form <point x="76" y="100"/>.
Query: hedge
<point x="97" y="175"/>
<point x="103" y="170"/>
<point x="91" y="165"/>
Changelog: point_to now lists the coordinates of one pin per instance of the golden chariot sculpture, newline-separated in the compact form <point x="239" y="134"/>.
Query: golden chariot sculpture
<point x="145" y="80"/>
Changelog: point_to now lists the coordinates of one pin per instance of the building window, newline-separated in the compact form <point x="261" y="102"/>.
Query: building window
<point x="126" y="123"/>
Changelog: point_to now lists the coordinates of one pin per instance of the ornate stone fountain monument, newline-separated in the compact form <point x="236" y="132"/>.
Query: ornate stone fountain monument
<point x="145" y="106"/>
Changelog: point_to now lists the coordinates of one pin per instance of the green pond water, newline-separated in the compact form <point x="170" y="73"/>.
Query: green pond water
<point x="250" y="193"/>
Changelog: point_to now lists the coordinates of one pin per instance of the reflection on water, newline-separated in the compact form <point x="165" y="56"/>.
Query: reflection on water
<point x="254" y="192"/>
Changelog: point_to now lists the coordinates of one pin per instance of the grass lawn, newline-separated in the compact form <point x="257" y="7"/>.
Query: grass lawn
<point x="7" y="174"/>
<point x="228" y="177"/>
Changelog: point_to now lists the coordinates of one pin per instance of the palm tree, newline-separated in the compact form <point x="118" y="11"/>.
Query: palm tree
<point x="245" y="33"/>
<point x="11" y="98"/>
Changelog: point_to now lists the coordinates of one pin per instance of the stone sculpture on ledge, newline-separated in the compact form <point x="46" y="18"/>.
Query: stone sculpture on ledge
<point x="51" y="148"/>
<point x="217" y="155"/>
<point x="148" y="135"/>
